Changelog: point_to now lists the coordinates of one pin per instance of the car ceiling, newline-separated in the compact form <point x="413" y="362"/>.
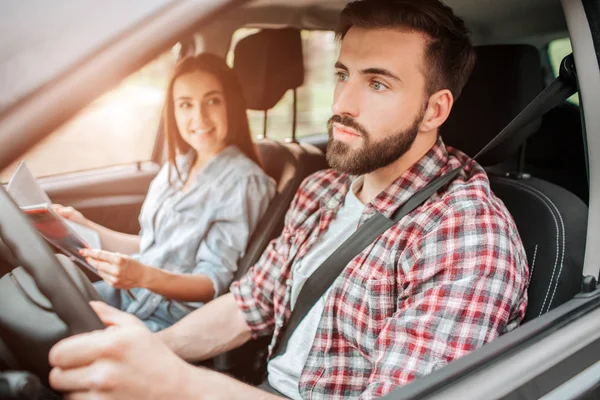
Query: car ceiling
<point x="43" y="39"/>
<point x="490" y="21"/>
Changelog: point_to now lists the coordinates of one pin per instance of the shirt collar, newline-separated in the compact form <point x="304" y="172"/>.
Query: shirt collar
<point x="431" y="165"/>
<point x="184" y="162"/>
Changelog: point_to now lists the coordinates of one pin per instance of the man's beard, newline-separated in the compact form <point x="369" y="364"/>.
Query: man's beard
<point x="371" y="156"/>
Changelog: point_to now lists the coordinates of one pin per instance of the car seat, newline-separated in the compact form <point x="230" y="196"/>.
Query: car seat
<point x="551" y="221"/>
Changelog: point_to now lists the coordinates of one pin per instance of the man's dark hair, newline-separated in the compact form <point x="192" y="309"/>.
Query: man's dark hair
<point x="449" y="56"/>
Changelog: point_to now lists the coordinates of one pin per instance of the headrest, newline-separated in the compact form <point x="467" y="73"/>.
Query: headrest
<point x="267" y="64"/>
<point x="505" y="79"/>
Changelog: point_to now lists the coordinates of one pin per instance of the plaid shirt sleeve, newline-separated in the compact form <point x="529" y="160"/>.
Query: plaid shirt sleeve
<point x="256" y="291"/>
<point x="460" y="279"/>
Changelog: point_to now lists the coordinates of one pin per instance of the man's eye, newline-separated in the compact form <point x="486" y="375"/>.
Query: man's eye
<point x="378" y="86"/>
<point x="341" y="76"/>
<point x="214" y="101"/>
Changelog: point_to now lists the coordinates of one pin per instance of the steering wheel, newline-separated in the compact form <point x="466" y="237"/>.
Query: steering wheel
<point x="66" y="300"/>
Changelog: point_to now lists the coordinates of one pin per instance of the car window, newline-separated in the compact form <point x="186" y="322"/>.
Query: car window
<point x="118" y="128"/>
<point x="557" y="50"/>
<point x="314" y="97"/>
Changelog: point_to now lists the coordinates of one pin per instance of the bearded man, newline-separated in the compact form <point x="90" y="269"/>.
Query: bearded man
<point x="445" y="279"/>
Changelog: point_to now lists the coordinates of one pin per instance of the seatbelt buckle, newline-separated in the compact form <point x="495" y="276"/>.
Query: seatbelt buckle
<point x="588" y="284"/>
<point x="567" y="71"/>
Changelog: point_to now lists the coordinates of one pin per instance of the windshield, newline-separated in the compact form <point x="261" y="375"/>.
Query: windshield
<point x="36" y="49"/>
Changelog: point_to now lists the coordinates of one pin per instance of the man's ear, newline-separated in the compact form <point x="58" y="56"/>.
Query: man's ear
<point x="438" y="108"/>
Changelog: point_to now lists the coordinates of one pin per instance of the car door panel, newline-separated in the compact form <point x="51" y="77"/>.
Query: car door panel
<point x="111" y="197"/>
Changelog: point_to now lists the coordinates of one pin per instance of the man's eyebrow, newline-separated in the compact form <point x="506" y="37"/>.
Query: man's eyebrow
<point x="371" y="71"/>
<point x="380" y="71"/>
<point x="339" y="65"/>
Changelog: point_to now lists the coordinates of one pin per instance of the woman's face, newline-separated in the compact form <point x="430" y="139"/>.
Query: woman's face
<point x="200" y="112"/>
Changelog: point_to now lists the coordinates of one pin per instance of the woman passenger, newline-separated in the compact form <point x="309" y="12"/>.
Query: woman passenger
<point x="200" y="209"/>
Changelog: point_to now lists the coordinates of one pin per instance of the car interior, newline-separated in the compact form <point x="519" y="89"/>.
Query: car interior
<point x="540" y="172"/>
<point x="552" y="220"/>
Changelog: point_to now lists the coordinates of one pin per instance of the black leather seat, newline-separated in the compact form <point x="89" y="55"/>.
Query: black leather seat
<point x="556" y="152"/>
<point x="268" y="64"/>
<point x="288" y="164"/>
<point x="552" y="221"/>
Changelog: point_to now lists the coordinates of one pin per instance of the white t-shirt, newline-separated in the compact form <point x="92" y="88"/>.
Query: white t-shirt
<point x="284" y="370"/>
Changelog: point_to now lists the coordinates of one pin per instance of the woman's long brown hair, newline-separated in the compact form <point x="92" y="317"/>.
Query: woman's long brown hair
<point x="238" y="129"/>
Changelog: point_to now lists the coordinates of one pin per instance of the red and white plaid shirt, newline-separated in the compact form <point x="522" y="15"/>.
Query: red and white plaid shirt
<point x="447" y="278"/>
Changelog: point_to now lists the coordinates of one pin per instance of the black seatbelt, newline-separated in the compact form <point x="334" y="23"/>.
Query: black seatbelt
<point x="318" y="283"/>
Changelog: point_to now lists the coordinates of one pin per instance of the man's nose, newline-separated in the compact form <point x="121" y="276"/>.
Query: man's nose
<point x="346" y="100"/>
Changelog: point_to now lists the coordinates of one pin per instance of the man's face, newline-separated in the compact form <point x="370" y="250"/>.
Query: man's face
<point x="379" y="99"/>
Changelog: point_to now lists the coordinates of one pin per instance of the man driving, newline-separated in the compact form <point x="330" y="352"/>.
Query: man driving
<point x="447" y="278"/>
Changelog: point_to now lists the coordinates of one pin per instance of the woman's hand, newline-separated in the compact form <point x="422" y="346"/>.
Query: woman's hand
<point x="71" y="214"/>
<point x="118" y="270"/>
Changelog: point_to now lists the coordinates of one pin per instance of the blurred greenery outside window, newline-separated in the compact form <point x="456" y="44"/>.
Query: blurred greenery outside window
<point x="557" y="50"/>
<point x="118" y="128"/>
<point x="314" y="97"/>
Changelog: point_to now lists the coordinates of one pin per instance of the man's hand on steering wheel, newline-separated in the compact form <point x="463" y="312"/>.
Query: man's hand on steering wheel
<point x="124" y="361"/>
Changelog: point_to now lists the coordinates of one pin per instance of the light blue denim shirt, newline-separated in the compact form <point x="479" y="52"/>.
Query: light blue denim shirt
<point x="204" y="230"/>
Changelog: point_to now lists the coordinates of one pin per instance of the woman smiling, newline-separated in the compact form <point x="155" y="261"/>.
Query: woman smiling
<point x="200" y="209"/>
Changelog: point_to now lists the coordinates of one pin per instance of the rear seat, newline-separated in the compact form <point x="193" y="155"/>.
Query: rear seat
<point x="505" y="79"/>
<point x="508" y="77"/>
<point x="556" y="152"/>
